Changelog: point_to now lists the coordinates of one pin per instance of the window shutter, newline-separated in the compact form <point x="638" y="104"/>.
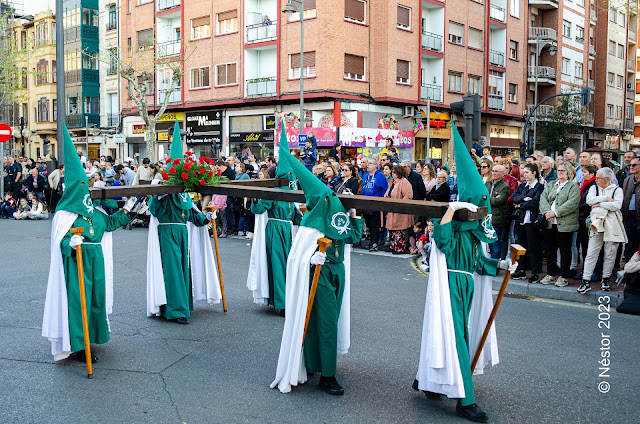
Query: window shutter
<point x="456" y="29"/>
<point x="309" y="4"/>
<point x="404" y="16"/>
<point x="231" y="73"/>
<point x="228" y="15"/>
<point x="295" y="61"/>
<point x="309" y="59"/>
<point x="205" y="20"/>
<point x="353" y="64"/>
<point x="222" y="74"/>
<point x="475" y="38"/>
<point x="403" y="69"/>
<point x="145" y="37"/>
<point x="354" y="9"/>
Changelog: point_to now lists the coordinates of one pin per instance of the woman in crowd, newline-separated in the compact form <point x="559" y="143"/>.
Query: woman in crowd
<point x="348" y="184"/>
<point x="441" y="191"/>
<point x="38" y="209"/>
<point x="98" y="180"/>
<point x="515" y="169"/>
<point x="262" y="174"/>
<point x="589" y="179"/>
<point x="559" y="205"/>
<point x="331" y="176"/>
<point x="387" y="169"/>
<point x="429" y="177"/>
<point x="485" y="169"/>
<point x="601" y="162"/>
<point x="396" y="223"/>
<point x="241" y="172"/>
<point x="526" y="200"/>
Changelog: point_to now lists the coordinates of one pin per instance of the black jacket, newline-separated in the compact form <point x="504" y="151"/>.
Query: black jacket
<point x="439" y="194"/>
<point x="532" y="205"/>
<point x="417" y="184"/>
<point x="352" y="184"/>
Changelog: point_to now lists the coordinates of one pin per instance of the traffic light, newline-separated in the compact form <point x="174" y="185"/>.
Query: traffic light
<point x="585" y="96"/>
<point x="471" y="109"/>
<point x="476" y="131"/>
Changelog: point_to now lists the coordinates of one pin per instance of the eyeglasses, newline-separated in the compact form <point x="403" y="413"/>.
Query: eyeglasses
<point x="562" y="170"/>
<point x="633" y="164"/>
<point x="484" y="166"/>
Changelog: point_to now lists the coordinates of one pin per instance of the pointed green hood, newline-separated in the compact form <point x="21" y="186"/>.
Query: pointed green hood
<point x="324" y="210"/>
<point x="471" y="189"/>
<point x="75" y="197"/>
<point x="284" y="169"/>
<point x="175" y="152"/>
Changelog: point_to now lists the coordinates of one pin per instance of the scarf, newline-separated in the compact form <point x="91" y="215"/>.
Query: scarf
<point x="584" y="185"/>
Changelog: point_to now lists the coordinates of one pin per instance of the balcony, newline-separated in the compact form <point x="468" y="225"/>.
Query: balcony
<point x="496" y="58"/>
<point x="633" y="36"/>
<point x="544" y="4"/>
<point x="169" y="48"/>
<point x="631" y="92"/>
<point x="112" y="25"/>
<point x="431" y="91"/>
<point x="539" y="33"/>
<point x="260" y="32"/>
<point x="168" y="4"/>
<point x="543" y="113"/>
<point x="261" y="87"/>
<point x="544" y="74"/>
<point x="593" y="17"/>
<point x="78" y="120"/>
<point x="496" y="102"/>
<point x="628" y="123"/>
<point x="498" y="13"/>
<point x="113" y="119"/>
<point x="80" y="76"/>
<point x="631" y="65"/>
<point x="592" y="50"/>
<point x="175" y="97"/>
<point x="431" y="41"/>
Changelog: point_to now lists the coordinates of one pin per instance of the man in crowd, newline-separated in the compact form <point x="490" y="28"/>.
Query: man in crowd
<point x="55" y="178"/>
<point x="548" y="172"/>
<point x="631" y="207"/>
<point x="127" y="174"/>
<point x="499" y="193"/>
<point x="624" y="171"/>
<point x="570" y="156"/>
<point x="144" y="172"/>
<point x="309" y="155"/>
<point x="374" y="184"/>
<point x="35" y="183"/>
<point x="583" y="160"/>
<point x="271" y="166"/>
<point x="13" y="172"/>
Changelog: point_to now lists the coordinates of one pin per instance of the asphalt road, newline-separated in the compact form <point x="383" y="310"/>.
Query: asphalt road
<point x="218" y="369"/>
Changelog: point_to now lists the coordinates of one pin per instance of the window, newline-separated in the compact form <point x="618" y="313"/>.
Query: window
<point x="42" y="34"/>
<point x="496" y="83"/>
<point x="580" y="3"/>
<point x="53" y="33"/>
<point x="144" y="1"/>
<point x="455" y="82"/>
<point x="355" y="10"/>
<point x="128" y="6"/>
<point x="23" y="40"/>
<point x="513" y="50"/>
<point x="621" y="18"/>
<point x="227" y="22"/>
<point x="404" y="17"/>
<point x="54" y="71"/>
<point x="89" y="17"/>
<point x="113" y="61"/>
<point x="620" y="51"/>
<point x="579" y="34"/>
<point x="619" y="81"/>
<point x="309" y="65"/>
<point x="403" y="70"/>
<point x="71" y="18"/>
<point x="90" y="60"/>
<point x="55" y="110"/>
<point x="612" y="48"/>
<point x="513" y="93"/>
<point x="226" y="74"/>
<point x="42" y="111"/>
<point x="618" y="112"/>
<point x="354" y="67"/>
<point x="474" y="83"/>
<point x="577" y="70"/>
<point x="145" y="39"/>
<point x="113" y="22"/>
<point x="475" y="38"/>
<point x="201" y="27"/>
<point x="200" y="77"/>
<point x="149" y="85"/>
<point x="129" y="45"/>
<point x="456" y="33"/>
<point x="610" y="79"/>
<point x="613" y="15"/>
<point x="566" y="29"/>
<point x="514" y="8"/>
<point x="25" y="77"/>
<point x="42" y="72"/>
<point x="609" y="111"/>
<point x="309" y="11"/>
<point x="566" y="66"/>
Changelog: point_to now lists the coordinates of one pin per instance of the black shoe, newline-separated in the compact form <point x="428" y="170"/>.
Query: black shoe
<point x="605" y="284"/>
<point x="331" y="386"/>
<point x="80" y="356"/>
<point x="472" y="413"/>
<point x="281" y="313"/>
<point x="428" y="394"/>
<point x="519" y="275"/>
<point x="533" y="279"/>
<point x="402" y="252"/>
<point x="182" y="321"/>
<point x="584" y="287"/>
<point x="373" y="248"/>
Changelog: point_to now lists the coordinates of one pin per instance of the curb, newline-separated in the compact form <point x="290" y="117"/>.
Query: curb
<point x="569" y="294"/>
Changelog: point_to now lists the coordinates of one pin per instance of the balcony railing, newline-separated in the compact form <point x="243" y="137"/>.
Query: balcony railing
<point x="261" y="32"/>
<point x="113" y="119"/>
<point x="169" y="48"/>
<point x="431" y="41"/>
<point x="631" y="65"/>
<point x="631" y="93"/>
<point x="168" y="4"/>
<point x="592" y="50"/>
<point x="496" y="58"/>
<point x="498" y="13"/>
<point x="542" y="34"/>
<point x="80" y="76"/>
<point x="175" y="96"/>
<point x="432" y="91"/>
<point x="628" y="123"/>
<point x="261" y="87"/>
<point x="543" y="112"/>
<point x="78" y="120"/>
<point x="545" y="72"/>
<point x="633" y="36"/>
<point x="496" y="102"/>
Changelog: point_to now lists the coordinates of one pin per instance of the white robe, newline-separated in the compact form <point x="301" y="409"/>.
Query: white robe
<point x="204" y="273"/>
<point x="439" y="367"/>
<point x="55" y="322"/>
<point x="258" y="276"/>
<point x="291" y="368"/>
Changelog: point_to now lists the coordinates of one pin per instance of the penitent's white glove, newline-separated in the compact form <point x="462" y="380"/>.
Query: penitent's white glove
<point x="508" y="266"/>
<point x="456" y="206"/>
<point x="75" y="241"/>
<point x="211" y="216"/>
<point x="318" y="258"/>
<point x="129" y="205"/>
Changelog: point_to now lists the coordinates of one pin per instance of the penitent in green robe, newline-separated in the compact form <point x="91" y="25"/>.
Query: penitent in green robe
<point x="463" y="251"/>
<point x="321" y="341"/>
<point x="94" y="277"/>
<point x="173" y="211"/>
<point x="278" y="235"/>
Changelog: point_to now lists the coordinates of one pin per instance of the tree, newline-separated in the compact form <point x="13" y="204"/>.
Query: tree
<point x="563" y="122"/>
<point x="11" y="72"/>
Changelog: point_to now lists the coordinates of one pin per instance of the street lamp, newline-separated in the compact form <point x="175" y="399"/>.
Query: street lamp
<point x="290" y="9"/>
<point x="540" y="45"/>
<point x="22" y="132"/>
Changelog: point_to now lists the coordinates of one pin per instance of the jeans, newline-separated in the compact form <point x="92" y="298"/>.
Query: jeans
<point x="554" y="240"/>
<point x="243" y="224"/>
<point x="574" y="251"/>
<point x="7" y="211"/>
<point x="496" y="246"/>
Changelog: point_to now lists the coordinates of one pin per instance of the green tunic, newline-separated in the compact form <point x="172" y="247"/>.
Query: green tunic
<point x="94" y="277"/>
<point x="464" y="253"/>
<point x="278" y="234"/>
<point x="173" y="212"/>
<point x="321" y="341"/>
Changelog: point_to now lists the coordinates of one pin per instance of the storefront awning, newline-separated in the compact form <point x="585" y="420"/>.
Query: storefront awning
<point x="510" y="143"/>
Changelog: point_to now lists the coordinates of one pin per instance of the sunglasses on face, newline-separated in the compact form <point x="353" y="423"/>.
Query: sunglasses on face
<point x="484" y="166"/>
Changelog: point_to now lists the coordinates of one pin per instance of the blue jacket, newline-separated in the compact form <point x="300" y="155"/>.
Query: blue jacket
<point x="310" y="156"/>
<point x="374" y="186"/>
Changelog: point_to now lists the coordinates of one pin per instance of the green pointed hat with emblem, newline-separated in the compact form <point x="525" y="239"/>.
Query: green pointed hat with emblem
<point x="324" y="210"/>
<point x="75" y="197"/>
<point x="175" y="152"/>
<point x="471" y="189"/>
<point x="284" y="169"/>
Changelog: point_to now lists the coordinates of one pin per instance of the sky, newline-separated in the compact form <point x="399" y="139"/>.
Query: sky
<point x="31" y="7"/>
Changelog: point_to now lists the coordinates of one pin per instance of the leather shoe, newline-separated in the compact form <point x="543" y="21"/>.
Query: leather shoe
<point x="182" y="321"/>
<point x="472" y="413"/>
<point x="80" y="356"/>
<point x="331" y="386"/>
<point x="428" y="394"/>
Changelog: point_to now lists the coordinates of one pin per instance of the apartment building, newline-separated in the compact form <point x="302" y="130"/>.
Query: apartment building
<point x="368" y="67"/>
<point x="35" y="101"/>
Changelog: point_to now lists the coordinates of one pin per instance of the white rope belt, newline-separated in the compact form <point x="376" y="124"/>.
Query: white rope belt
<point x="97" y="244"/>
<point x="171" y="223"/>
<point x="460" y="272"/>
<point x="281" y="220"/>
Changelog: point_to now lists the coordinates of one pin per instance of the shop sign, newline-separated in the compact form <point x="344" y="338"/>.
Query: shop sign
<point x="252" y="137"/>
<point x="503" y="131"/>
<point x="171" y="116"/>
<point x="204" y="127"/>
<point x="325" y="137"/>
<point x="139" y="129"/>
<point x="269" y="122"/>
<point x="370" y="137"/>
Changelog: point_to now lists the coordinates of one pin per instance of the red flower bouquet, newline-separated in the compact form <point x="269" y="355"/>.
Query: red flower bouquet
<point x="192" y="173"/>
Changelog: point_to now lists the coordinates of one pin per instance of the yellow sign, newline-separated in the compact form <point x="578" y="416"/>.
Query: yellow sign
<point x="503" y="131"/>
<point x="162" y="136"/>
<point x="139" y="129"/>
<point x="171" y="116"/>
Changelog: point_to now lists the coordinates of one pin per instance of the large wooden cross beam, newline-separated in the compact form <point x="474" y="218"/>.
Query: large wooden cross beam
<point x="269" y="189"/>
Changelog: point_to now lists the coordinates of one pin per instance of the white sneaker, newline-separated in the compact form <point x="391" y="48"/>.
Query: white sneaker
<point x="249" y="236"/>
<point x="241" y="233"/>
<point x="547" y="280"/>
<point x="561" y="282"/>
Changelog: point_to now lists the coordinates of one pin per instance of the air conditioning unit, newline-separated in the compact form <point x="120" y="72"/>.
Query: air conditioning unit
<point x="408" y="111"/>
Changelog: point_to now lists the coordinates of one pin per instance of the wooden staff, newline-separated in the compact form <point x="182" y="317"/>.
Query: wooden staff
<point x="516" y="251"/>
<point x="323" y="243"/>
<point x="215" y="239"/>
<point x="83" y="304"/>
